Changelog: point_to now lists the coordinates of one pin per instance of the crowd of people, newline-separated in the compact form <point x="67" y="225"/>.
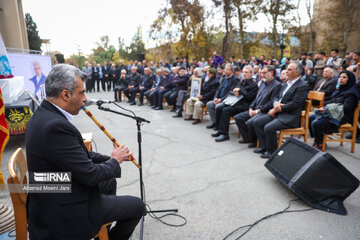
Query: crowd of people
<point x="270" y="94"/>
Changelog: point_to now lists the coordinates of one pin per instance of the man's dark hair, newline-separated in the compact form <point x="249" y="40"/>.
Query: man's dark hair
<point x="357" y="53"/>
<point x="322" y="53"/>
<point x="335" y="50"/>
<point x="304" y="54"/>
<point x="270" y="68"/>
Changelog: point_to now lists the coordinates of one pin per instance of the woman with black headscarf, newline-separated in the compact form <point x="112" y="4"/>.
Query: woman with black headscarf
<point x="346" y="96"/>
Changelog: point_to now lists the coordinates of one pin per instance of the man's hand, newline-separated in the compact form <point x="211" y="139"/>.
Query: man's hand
<point x="252" y="112"/>
<point x="277" y="107"/>
<point x="161" y="88"/>
<point x="140" y="87"/>
<point x="236" y="91"/>
<point x="152" y="89"/>
<point x="217" y="101"/>
<point x="272" y="112"/>
<point x="200" y="97"/>
<point x="121" y="153"/>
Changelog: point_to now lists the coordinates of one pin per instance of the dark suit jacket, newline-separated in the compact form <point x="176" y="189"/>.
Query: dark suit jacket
<point x="230" y="86"/>
<point x="267" y="97"/>
<point x="328" y="88"/>
<point x="208" y="89"/>
<point x="112" y="72"/>
<point x="181" y="82"/>
<point x="53" y="144"/>
<point x="134" y="79"/>
<point x="147" y="81"/>
<point x="105" y="71"/>
<point x="294" y="100"/>
<point x="167" y="82"/>
<point x="248" y="88"/>
<point x="94" y="75"/>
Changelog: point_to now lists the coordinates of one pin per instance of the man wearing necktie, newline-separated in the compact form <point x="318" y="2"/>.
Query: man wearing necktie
<point x="285" y="113"/>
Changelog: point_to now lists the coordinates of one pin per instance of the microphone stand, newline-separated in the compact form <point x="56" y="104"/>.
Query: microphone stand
<point x="139" y="122"/>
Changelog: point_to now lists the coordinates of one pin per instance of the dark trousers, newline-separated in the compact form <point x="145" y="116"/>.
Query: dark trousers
<point x="125" y="210"/>
<point x="98" y="81"/>
<point x="104" y="83"/>
<point x="246" y="125"/>
<point x="317" y="128"/>
<point x="265" y="128"/>
<point x="223" y="115"/>
<point x="142" y="93"/>
<point x="159" y="97"/>
<point x="131" y="93"/>
<point x="171" y="97"/>
<point x="183" y="95"/>
<point x="88" y="85"/>
<point x="152" y="96"/>
<point x="93" y="84"/>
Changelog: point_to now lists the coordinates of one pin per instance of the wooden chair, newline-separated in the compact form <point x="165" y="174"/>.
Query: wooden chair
<point x="204" y="112"/>
<point x="302" y="130"/>
<point x="17" y="179"/>
<point x="318" y="96"/>
<point x="339" y="137"/>
<point x="88" y="138"/>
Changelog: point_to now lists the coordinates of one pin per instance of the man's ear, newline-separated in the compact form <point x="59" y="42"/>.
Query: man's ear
<point x="65" y="95"/>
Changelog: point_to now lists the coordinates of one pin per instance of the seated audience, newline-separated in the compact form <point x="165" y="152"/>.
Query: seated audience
<point x="155" y="87"/>
<point x="227" y="84"/>
<point x="146" y="83"/>
<point x="121" y="85"/>
<point x="286" y="111"/>
<point x="208" y="88"/>
<point x="247" y="88"/>
<point x="263" y="102"/>
<point x="347" y="96"/>
<point x="327" y="84"/>
<point x="133" y="87"/>
<point x="180" y="82"/>
<point x="309" y="78"/>
<point x="165" y="86"/>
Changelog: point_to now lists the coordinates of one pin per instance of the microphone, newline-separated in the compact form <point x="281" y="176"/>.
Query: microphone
<point x="90" y="102"/>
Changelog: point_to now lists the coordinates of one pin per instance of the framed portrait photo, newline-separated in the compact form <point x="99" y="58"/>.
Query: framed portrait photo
<point x="195" y="88"/>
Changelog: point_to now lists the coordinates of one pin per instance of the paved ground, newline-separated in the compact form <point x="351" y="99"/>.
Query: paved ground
<point x="216" y="186"/>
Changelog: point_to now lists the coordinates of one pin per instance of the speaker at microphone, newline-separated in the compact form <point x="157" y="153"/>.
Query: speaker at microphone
<point x="315" y="176"/>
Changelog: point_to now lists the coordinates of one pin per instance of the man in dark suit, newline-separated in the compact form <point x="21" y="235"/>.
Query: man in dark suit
<point x="227" y="84"/>
<point x="105" y="70"/>
<point x="154" y="88"/>
<point x="146" y="83"/>
<point x="113" y="76"/>
<point x="247" y="88"/>
<point x="133" y="87"/>
<point x="165" y="86"/>
<point x="121" y="85"/>
<point x="180" y="82"/>
<point x="263" y="102"/>
<point x="53" y="144"/>
<point x="327" y="84"/>
<point x="95" y="78"/>
<point x="286" y="111"/>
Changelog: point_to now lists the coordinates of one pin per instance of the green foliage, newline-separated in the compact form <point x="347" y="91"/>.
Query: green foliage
<point x="33" y="34"/>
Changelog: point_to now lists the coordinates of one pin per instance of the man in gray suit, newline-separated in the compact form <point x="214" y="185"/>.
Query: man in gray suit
<point x="88" y="71"/>
<point x="286" y="111"/>
<point x="268" y="90"/>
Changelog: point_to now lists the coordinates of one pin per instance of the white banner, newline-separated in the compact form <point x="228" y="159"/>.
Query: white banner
<point x="33" y="67"/>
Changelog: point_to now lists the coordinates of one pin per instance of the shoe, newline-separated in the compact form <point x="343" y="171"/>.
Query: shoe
<point x="153" y="107"/>
<point x="158" y="108"/>
<point x="196" y="121"/>
<point x="252" y="145"/>
<point x="129" y="101"/>
<point x="215" y="129"/>
<point x="244" y="141"/>
<point x="266" y="155"/>
<point x="217" y="134"/>
<point x="210" y="126"/>
<point x="140" y="104"/>
<point x="259" y="150"/>
<point x="357" y="140"/>
<point x="177" y="115"/>
<point x="222" y="138"/>
<point x="188" y="118"/>
<point x="133" y="103"/>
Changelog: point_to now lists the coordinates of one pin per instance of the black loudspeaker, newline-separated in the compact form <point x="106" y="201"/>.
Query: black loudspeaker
<point x="316" y="177"/>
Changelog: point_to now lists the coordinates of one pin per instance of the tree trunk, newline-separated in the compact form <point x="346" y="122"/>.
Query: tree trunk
<point x="241" y="31"/>
<point x="225" y="47"/>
